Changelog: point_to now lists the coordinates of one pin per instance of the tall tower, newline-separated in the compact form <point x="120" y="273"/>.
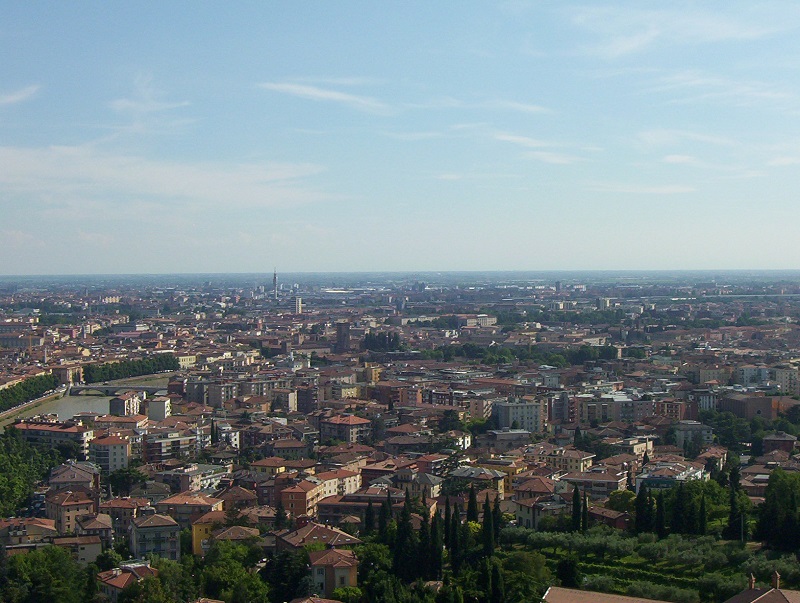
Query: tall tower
<point x="275" y="282"/>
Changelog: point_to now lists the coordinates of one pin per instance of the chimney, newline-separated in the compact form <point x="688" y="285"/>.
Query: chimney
<point x="751" y="582"/>
<point x="776" y="580"/>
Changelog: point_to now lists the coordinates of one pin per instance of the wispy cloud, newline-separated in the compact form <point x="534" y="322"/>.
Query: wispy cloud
<point x="627" y="30"/>
<point x="413" y="136"/>
<point x="523" y="141"/>
<point x="315" y="93"/>
<point x="83" y="179"/>
<point x="545" y="156"/>
<point x="692" y="86"/>
<point x="145" y="99"/>
<point x="553" y="158"/>
<point x="635" y="189"/>
<point x="18" y="96"/>
<point x="668" y="137"/>
<point x="516" y="106"/>
<point x="784" y="161"/>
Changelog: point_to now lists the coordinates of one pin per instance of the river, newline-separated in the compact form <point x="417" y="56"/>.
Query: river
<point x="69" y="406"/>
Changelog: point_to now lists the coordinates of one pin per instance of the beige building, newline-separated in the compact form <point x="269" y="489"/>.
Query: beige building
<point x="110" y="453"/>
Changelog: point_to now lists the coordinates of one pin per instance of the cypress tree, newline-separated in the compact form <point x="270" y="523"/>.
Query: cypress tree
<point x="455" y="538"/>
<point x="369" y="519"/>
<point x="661" y="516"/>
<point x="642" y="524"/>
<point x="733" y="529"/>
<point x="472" y="506"/>
<point x="702" y="520"/>
<point x="383" y="523"/>
<point x="498" y="594"/>
<point x="447" y="523"/>
<point x="280" y="515"/>
<point x="677" y="521"/>
<point x="497" y="517"/>
<point x="424" y="549"/>
<point x="576" y="509"/>
<point x="435" y="554"/>
<point x="404" y="547"/>
<point x="585" y="513"/>
<point x="488" y="529"/>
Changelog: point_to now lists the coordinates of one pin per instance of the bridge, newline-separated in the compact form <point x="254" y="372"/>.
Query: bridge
<point x="113" y="390"/>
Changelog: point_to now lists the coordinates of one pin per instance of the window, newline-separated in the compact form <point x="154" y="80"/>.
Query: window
<point x="341" y="580"/>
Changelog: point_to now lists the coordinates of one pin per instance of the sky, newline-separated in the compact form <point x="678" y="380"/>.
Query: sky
<point x="183" y="137"/>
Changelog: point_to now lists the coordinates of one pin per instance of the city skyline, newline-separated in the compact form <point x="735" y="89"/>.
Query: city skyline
<point x="362" y="137"/>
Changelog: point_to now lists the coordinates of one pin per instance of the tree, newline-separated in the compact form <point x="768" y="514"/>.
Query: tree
<point x="435" y="554"/>
<point x="447" y="523"/>
<point x="405" y="546"/>
<point x="497" y="516"/>
<point x="576" y="509"/>
<point x="585" y="513"/>
<point x="455" y="540"/>
<point x="567" y="572"/>
<point x="369" y="519"/>
<point x="122" y="481"/>
<point x="661" y="519"/>
<point x="702" y="522"/>
<point x="643" y="517"/>
<point x="472" y="505"/>
<point x="679" y="511"/>
<point x="498" y="593"/>
<point x="281" y="519"/>
<point x="622" y="501"/>
<point x="347" y="594"/>
<point x="487" y="531"/>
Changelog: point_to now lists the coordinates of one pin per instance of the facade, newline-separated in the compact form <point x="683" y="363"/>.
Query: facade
<point x="347" y="428"/>
<point x="66" y="507"/>
<point x="187" y="506"/>
<point x="687" y="432"/>
<point x="110" y="453"/>
<point x="125" y="405"/>
<point x="51" y="435"/>
<point x="156" y="534"/>
<point x="333" y="568"/>
<point x="522" y="413"/>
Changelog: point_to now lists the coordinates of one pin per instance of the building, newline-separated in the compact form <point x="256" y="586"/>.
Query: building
<point x="526" y="413"/>
<point x="125" y="405"/>
<point x="159" y="408"/>
<point x="114" y="581"/>
<point x="122" y="512"/>
<point x="780" y="440"/>
<point x="110" y="453"/>
<point x="55" y="434"/>
<point x="188" y="506"/>
<point x="346" y="428"/>
<point x="333" y="568"/>
<point x="303" y="497"/>
<point x="687" y="432"/>
<point x="65" y="507"/>
<point x="156" y="534"/>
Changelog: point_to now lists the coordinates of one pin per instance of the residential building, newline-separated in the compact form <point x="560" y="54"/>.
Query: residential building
<point x="156" y="534"/>
<point x="346" y="428"/>
<point x="188" y="506"/>
<point x="65" y="507"/>
<point x="112" y="582"/>
<point x="333" y="568"/>
<point x="110" y="453"/>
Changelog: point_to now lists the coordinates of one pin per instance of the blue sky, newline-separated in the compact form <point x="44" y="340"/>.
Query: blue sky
<point x="162" y="137"/>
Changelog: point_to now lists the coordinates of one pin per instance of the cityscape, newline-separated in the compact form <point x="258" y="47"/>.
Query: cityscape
<point x="278" y="437"/>
<point x="412" y="302"/>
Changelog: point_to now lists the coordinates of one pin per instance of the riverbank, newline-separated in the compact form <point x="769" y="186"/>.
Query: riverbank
<point x="61" y="405"/>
